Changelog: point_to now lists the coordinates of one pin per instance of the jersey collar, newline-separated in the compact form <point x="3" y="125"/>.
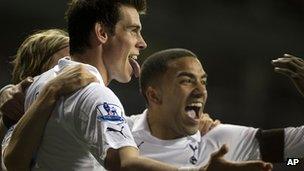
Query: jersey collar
<point x="66" y="61"/>
<point x="141" y="124"/>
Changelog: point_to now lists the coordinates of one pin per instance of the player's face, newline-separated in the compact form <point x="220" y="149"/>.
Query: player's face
<point x="184" y="95"/>
<point x="122" y="49"/>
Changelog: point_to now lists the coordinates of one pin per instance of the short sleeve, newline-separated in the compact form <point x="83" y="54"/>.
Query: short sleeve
<point x="240" y="140"/>
<point x="100" y="121"/>
<point x="294" y="142"/>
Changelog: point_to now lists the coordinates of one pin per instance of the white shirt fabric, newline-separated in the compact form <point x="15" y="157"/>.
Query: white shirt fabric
<point x="82" y="126"/>
<point x="294" y="142"/>
<point x="195" y="150"/>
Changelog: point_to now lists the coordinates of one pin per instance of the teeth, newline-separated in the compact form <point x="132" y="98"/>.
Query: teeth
<point x="191" y="114"/>
<point x="196" y="104"/>
<point x="133" y="57"/>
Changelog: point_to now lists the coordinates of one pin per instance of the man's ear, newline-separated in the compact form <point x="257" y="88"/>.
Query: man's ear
<point x="100" y="32"/>
<point x="154" y="95"/>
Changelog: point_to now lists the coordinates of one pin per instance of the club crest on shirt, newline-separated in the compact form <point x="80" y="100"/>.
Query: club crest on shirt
<point x="109" y="112"/>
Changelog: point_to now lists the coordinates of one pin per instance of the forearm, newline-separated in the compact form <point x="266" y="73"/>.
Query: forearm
<point x="141" y="163"/>
<point x="21" y="148"/>
<point x="130" y="160"/>
<point x="2" y="133"/>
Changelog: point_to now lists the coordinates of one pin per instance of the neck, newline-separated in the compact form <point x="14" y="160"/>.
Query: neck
<point x="93" y="57"/>
<point x="159" y="126"/>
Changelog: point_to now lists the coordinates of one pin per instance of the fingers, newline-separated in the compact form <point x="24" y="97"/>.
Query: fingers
<point x="87" y="78"/>
<point x="11" y="111"/>
<point x="215" y="123"/>
<point x="297" y="59"/>
<point x="292" y="67"/>
<point x="252" y="166"/>
<point x="290" y="62"/>
<point x="206" y="123"/>
<point x="220" y="153"/>
<point x="78" y="72"/>
<point x="12" y="99"/>
<point x="268" y="166"/>
<point x="72" y="78"/>
<point x="82" y="76"/>
<point x="24" y="84"/>
<point x="287" y="72"/>
<point x="217" y="162"/>
<point x="13" y="107"/>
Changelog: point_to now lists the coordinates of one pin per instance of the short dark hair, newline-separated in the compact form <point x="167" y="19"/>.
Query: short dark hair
<point x="157" y="64"/>
<point x="83" y="14"/>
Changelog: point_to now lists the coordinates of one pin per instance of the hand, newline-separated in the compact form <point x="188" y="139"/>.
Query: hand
<point x="70" y="79"/>
<point x="12" y="99"/>
<point x="217" y="163"/>
<point x="206" y="123"/>
<point x="292" y="67"/>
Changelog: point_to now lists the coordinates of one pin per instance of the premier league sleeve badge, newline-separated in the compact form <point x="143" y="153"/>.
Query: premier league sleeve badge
<point x="109" y="112"/>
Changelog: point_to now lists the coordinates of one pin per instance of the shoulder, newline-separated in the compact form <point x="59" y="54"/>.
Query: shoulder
<point x="99" y="92"/>
<point x="227" y="131"/>
<point x="99" y="99"/>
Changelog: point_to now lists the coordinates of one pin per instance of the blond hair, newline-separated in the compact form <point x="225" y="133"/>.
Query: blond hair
<point x="34" y="55"/>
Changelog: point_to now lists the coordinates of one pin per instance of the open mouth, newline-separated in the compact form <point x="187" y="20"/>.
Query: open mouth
<point x="134" y="64"/>
<point x="133" y="57"/>
<point x="193" y="110"/>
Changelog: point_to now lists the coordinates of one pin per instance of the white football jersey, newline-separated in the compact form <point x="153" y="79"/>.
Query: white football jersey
<point x="195" y="150"/>
<point x="82" y="126"/>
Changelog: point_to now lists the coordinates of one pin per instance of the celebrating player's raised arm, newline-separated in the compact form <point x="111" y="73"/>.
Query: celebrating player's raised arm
<point x="292" y="67"/>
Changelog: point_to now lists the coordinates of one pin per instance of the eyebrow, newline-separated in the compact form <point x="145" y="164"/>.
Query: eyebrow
<point x="134" y="26"/>
<point x="190" y="75"/>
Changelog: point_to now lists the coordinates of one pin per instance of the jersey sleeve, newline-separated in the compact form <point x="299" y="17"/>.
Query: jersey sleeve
<point x="240" y="140"/>
<point x="100" y="121"/>
<point x="294" y="142"/>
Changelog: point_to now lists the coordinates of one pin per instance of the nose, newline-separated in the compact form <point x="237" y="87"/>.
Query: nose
<point x="141" y="44"/>
<point x="200" y="91"/>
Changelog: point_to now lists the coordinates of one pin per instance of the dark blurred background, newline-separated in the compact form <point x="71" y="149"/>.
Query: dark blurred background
<point x="235" y="39"/>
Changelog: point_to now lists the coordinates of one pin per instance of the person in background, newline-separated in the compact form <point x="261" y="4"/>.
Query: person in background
<point x="39" y="52"/>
